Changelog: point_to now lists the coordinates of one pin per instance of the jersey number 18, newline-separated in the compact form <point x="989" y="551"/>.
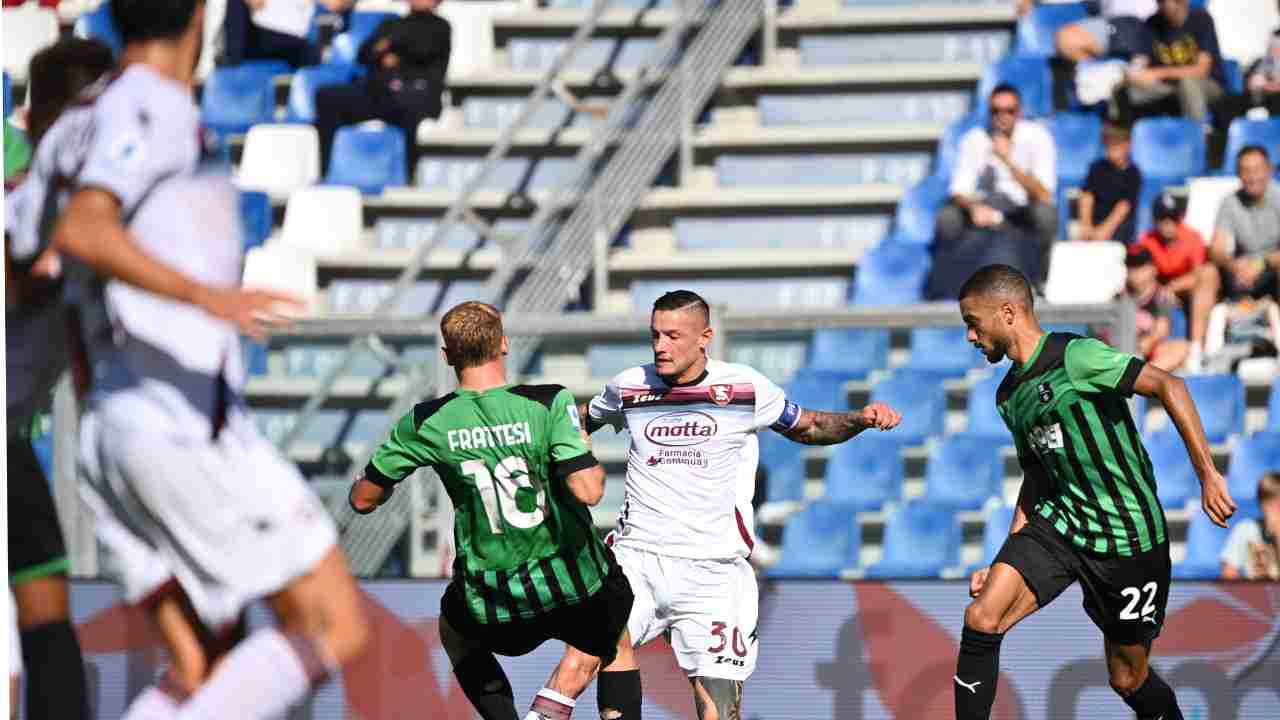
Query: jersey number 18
<point x="498" y="492"/>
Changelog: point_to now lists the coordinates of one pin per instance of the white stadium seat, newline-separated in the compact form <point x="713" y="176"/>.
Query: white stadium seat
<point x="27" y="30"/>
<point x="1204" y="197"/>
<point x="279" y="159"/>
<point x="282" y="267"/>
<point x="324" y="220"/>
<point x="1102" y="262"/>
<point x="1244" y="27"/>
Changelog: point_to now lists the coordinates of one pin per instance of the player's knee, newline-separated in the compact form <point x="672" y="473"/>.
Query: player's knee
<point x="1127" y="680"/>
<point x="979" y="616"/>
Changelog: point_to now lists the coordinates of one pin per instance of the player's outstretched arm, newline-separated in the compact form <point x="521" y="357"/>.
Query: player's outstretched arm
<point x="91" y="229"/>
<point x="587" y="485"/>
<point x="366" y="495"/>
<point x="816" y="427"/>
<point x="1153" y="382"/>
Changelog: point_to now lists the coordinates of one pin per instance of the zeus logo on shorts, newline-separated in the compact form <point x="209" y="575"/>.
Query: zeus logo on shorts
<point x="1045" y="438"/>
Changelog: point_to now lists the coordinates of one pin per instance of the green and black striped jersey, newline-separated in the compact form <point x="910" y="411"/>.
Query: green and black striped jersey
<point x="1076" y="440"/>
<point x="524" y="543"/>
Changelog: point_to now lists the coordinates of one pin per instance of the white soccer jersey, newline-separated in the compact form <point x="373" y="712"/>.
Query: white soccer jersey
<point x="692" y="468"/>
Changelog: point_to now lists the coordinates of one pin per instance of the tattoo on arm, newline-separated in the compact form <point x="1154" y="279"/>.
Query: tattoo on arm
<point x="824" y="428"/>
<point x="725" y="696"/>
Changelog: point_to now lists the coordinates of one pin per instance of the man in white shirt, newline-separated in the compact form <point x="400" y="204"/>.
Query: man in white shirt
<point x="685" y="529"/>
<point x="1005" y="177"/>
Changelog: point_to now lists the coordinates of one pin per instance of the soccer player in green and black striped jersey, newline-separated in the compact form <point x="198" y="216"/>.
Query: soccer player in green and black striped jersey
<point x="530" y="565"/>
<point x="1087" y="510"/>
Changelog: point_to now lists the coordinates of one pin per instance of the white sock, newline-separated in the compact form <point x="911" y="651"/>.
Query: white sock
<point x="152" y="704"/>
<point x="261" y="678"/>
<point x="551" y="705"/>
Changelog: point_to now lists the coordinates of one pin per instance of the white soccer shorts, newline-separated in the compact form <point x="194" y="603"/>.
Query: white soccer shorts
<point x="707" y="608"/>
<point x="231" y="520"/>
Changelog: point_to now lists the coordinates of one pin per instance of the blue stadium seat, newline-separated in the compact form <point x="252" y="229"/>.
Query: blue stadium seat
<point x="1031" y="77"/>
<point x="361" y="25"/>
<point x="255" y="357"/>
<point x="920" y="540"/>
<point x="995" y="528"/>
<point x="917" y="211"/>
<point x="820" y="541"/>
<point x="784" y="466"/>
<point x="1244" y="131"/>
<point x="604" y="360"/>
<point x="97" y="24"/>
<point x="1035" y="31"/>
<point x="1079" y="140"/>
<point x="1220" y="400"/>
<point x="866" y="472"/>
<point x="854" y="351"/>
<point x="920" y="398"/>
<point x="943" y="350"/>
<point x="984" y="418"/>
<point x="303" y="86"/>
<point x="255" y="217"/>
<point x="368" y="157"/>
<point x="963" y="472"/>
<point x="1234" y="75"/>
<point x="1176" y="480"/>
<point x="1147" y="194"/>
<point x="821" y="389"/>
<point x="749" y="293"/>
<point x="1204" y="545"/>
<point x="1273" y="410"/>
<point x="237" y="98"/>
<point x="1168" y="149"/>
<point x="892" y="273"/>
<point x="821" y="169"/>
<point x="949" y="145"/>
<point x="1253" y="457"/>
<point x="1177" y="322"/>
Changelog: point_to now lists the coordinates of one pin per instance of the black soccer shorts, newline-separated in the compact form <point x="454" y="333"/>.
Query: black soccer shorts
<point x="1124" y="596"/>
<point x="36" y="548"/>
<point x="592" y="626"/>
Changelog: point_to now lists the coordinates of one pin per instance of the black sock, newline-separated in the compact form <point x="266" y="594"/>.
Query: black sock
<point x="486" y="686"/>
<point x="1155" y="699"/>
<point x="619" y="692"/>
<point x="977" y="671"/>
<point x="54" y="668"/>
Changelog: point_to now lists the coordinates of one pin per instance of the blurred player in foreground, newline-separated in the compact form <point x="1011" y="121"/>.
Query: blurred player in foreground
<point x="686" y="526"/>
<point x="520" y="473"/>
<point x="38" y="563"/>
<point x="1087" y="510"/>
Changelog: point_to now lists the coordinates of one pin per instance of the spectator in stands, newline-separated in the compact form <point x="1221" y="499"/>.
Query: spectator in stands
<point x="1110" y="193"/>
<point x="407" y="59"/>
<point x="1178" y="58"/>
<point x="1154" y="308"/>
<point x="1005" y="177"/>
<point x="273" y="30"/>
<point x="1245" y="253"/>
<point x="1252" y="551"/>
<point x="1262" y="81"/>
<point x="1176" y="249"/>
<point x="1116" y="32"/>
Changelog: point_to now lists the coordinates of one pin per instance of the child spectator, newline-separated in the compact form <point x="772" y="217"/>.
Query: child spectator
<point x="1176" y="249"/>
<point x="1252" y="551"/>
<point x="1110" y="192"/>
<point x="1155" y="305"/>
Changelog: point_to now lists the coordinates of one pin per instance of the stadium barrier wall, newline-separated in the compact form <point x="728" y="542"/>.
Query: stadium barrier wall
<point x="847" y="650"/>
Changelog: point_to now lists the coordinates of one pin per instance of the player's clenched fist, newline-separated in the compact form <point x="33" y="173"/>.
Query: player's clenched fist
<point x="879" y="416"/>
<point x="366" y="496"/>
<point x="977" y="580"/>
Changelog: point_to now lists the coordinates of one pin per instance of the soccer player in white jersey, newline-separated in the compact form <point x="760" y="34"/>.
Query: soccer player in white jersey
<point x="686" y="527"/>
<point x="207" y="517"/>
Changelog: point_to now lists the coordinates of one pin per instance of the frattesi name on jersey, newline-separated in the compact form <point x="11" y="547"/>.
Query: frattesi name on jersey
<point x="490" y="437"/>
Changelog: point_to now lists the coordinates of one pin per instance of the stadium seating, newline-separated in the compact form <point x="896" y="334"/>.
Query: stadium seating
<point x="1078" y="137"/>
<point x="920" y="540"/>
<point x="963" y="472"/>
<point x="828" y="110"/>
<point x="361" y="25"/>
<point x="324" y="220"/>
<point x="1204" y="545"/>
<point x="956" y="46"/>
<point x="279" y="159"/>
<point x="984" y="418"/>
<point x="1085" y="272"/>
<point x="1273" y="410"/>
<point x="855" y="352"/>
<point x="1176" y="480"/>
<point x="279" y="266"/>
<point x="945" y="351"/>
<point x="598" y="54"/>
<point x="866" y="473"/>
<point x="845" y="232"/>
<point x="256" y="217"/>
<point x="237" y="98"/>
<point x="1168" y="150"/>
<point x="1204" y="198"/>
<point x="1234" y="75"/>
<point x="1029" y="75"/>
<point x="97" y="24"/>
<point x="820" y="541"/>
<point x="1035" y="31"/>
<point x="821" y="169"/>
<point x="513" y="174"/>
<point x="949" y="145"/>
<point x="821" y="389"/>
<point x="1220" y="400"/>
<point x="996" y="523"/>
<point x="496" y="113"/>
<point x="369" y="156"/>
<point x="784" y="468"/>
<point x="920" y="398"/>
<point x="27" y="30"/>
<point x="1252" y="457"/>
<point x="1244" y="131"/>
<point x="392" y="233"/>
<point x="303" y="86"/>
<point x="917" y="211"/>
<point x="892" y="273"/>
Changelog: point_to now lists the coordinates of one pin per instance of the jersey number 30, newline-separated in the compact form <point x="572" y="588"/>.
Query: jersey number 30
<point x="498" y="492"/>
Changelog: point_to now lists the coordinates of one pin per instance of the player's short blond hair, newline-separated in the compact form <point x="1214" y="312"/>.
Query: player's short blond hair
<point x="472" y="334"/>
